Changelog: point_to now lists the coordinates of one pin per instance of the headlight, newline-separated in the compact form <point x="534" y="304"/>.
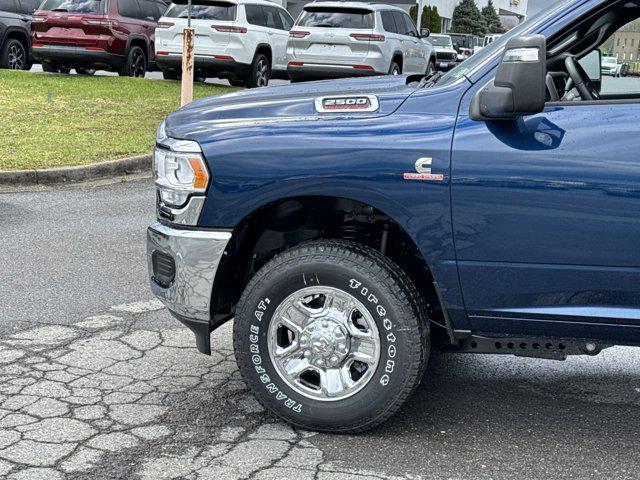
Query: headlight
<point x="180" y="170"/>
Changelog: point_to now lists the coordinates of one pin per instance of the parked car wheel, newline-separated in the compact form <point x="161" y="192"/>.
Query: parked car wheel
<point x="86" y="71"/>
<point x="170" y="75"/>
<point x="135" y="65"/>
<point x="331" y="336"/>
<point x="431" y="68"/>
<point x="260" y="72"/>
<point x="395" y="69"/>
<point x="15" y="56"/>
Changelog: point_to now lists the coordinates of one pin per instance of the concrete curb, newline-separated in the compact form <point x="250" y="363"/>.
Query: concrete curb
<point x="81" y="173"/>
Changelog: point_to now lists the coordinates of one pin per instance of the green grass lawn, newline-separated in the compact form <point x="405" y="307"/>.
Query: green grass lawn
<point x="60" y="120"/>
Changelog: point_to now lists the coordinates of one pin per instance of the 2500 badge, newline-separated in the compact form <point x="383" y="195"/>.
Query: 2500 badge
<point x="361" y="103"/>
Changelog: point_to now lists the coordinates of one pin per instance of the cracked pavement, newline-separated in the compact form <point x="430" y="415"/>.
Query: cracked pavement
<point x="98" y="381"/>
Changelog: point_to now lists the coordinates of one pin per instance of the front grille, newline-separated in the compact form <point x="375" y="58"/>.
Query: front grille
<point x="164" y="268"/>
<point x="447" y="56"/>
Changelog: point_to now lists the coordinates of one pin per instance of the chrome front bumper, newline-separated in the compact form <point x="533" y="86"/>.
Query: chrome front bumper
<point x="196" y="255"/>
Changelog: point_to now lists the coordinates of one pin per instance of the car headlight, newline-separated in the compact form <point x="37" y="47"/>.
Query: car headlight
<point x="179" y="168"/>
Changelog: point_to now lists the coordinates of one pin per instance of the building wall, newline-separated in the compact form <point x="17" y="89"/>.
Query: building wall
<point x="626" y="46"/>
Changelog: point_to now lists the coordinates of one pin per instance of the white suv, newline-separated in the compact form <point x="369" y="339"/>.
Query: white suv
<point x="346" y="39"/>
<point x="244" y="41"/>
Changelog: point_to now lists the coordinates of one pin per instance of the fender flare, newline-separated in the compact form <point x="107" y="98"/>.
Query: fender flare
<point x="268" y="47"/>
<point x="138" y="37"/>
<point x="22" y="32"/>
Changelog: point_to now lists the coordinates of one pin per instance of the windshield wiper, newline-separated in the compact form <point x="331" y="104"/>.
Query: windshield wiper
<point x="59" y="10"/>
<point x="429" y="80"/>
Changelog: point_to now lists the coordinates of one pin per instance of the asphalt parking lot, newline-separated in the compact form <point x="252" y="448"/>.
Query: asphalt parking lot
<point x="97" y="381"/>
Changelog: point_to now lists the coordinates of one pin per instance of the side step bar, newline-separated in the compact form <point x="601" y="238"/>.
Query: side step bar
<point x="551" y="349"/>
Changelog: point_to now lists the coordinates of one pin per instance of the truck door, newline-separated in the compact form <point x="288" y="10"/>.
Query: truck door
<point x="546" y="218"/>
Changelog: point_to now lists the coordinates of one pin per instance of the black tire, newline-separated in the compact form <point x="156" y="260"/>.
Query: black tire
<point x="86" y="71"/>
<point x="135" y="65"/>
<point x="14" y="56"/>
<point x="395" y="68"/>
<point x="170" y="75"/>
<point x="260" y="72"/>
<point x="235" y="82"/>
<point x="431" y="68"/>
<point x="389" y="297"/>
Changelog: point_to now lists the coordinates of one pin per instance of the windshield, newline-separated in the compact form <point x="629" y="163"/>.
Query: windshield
<point x="204" y="11"/>
<point x="336" y="18"/>
<point x="610" y="60"/>
<point x="74" y="6"/>
<point x="440" y="41"/>
<point x="477" y="59"/>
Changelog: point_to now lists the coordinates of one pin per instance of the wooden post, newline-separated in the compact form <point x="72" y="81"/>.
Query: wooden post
<point x="186" y="94"/>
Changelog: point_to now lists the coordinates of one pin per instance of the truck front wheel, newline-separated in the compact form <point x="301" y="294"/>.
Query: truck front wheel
<point x="331" y="336"/>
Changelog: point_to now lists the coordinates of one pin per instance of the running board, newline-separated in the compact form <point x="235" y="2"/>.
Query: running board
<point x="550" y="349"/>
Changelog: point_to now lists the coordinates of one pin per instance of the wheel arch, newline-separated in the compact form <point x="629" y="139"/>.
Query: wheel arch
<point x="140" y="41"/>
<point x="265" y="48"/>
<point x="287" y="222"/>
<point x="17" y="34"/>
<point x="397" y="56"/>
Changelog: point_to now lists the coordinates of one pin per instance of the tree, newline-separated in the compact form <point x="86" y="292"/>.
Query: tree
<point x="426" y="16"/>
<point x="467" y="18"/>
<point x="434" y="24"/>
<point x="491" y="19"/>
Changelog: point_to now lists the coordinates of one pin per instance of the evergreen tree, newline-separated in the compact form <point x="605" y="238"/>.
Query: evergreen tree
<point x="491" y="19"/>
<point x="467" y="18"/>
<point x="434" y="23"/>
<point x="425" y="20"/>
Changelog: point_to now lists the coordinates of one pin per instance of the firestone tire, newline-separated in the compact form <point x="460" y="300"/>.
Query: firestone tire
<point x="389" y="300"/>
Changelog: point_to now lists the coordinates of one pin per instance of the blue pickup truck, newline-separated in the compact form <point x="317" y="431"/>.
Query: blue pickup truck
<point x="350" y="227"/>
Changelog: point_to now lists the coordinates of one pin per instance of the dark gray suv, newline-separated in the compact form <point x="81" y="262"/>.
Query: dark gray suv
<point x="15" y="17"/>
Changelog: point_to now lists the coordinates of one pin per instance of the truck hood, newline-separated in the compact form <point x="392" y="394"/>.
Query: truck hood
<point x="444" y="50"/>
<point x="294" y="102"/>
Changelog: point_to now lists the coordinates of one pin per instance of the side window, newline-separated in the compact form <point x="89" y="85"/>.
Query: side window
<point x="255" y="16"/>
<point x="129" y="8"/>
<point x="271" y="17"/>
<point x="8" y="6"/>
<point x="161" y="7"/>
<point x="401" y="28"/>
<point x="285" y="18"/>
<point x="409" y="26"/>
<point x="388" y="22"/>
<point x="148" y="10"/>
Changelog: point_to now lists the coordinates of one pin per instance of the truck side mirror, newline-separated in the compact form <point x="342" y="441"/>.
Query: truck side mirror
<point x="519" y="86"/>
<point x="425" y="32"/>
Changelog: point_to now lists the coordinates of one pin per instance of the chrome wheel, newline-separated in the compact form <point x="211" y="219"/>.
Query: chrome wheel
<point x="324" y="343"/>
<point x="17" y="56"/>
<point x="262" y="73"/>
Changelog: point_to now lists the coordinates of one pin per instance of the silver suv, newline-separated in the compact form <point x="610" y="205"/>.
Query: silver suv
<point x="346" y="39"/>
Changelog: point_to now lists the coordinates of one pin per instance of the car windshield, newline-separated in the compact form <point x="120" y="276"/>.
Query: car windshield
<point x="440" y="41"/>
<point x="336" y="18"/>
<point x="74" y="6"/>
<point x="203" y="11"/>
<point x="610" y="60"/>
<point x="487" y="52"/>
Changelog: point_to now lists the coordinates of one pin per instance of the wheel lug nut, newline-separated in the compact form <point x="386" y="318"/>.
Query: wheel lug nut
<point x="307" y="353"/>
